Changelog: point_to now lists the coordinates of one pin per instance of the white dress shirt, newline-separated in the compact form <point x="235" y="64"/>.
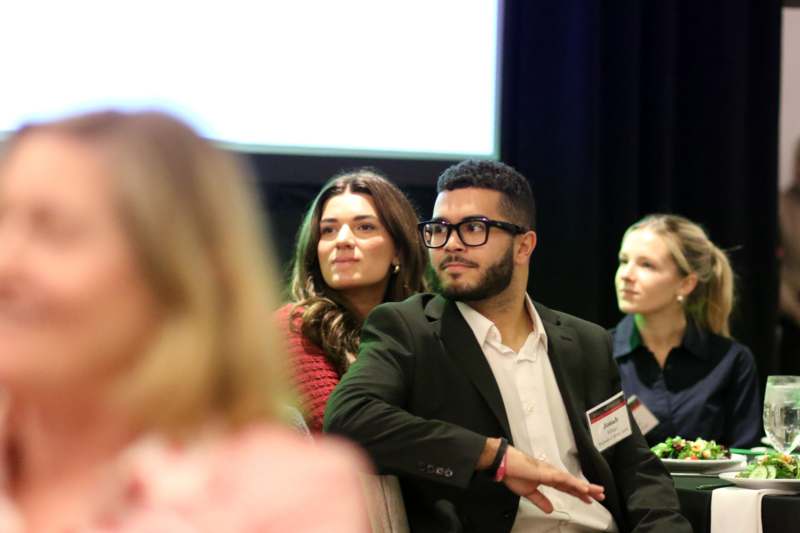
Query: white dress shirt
<point x="538" y="421"/>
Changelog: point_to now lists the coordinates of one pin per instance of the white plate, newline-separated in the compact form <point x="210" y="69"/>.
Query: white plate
<point x="782" y="484"/>
<point x="705" y="466"/>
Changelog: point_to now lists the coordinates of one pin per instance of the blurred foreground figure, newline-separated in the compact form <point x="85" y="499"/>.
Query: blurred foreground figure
<point x="141" y="385"/>
<point x="789" y="296"/>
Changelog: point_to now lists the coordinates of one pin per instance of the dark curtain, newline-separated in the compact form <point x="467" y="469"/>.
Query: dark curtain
<point x="615" y="110"/>
<point x="289" y="184"/>
<point x="618" y="109"/>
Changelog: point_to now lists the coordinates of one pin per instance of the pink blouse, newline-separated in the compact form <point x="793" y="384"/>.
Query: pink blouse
<point x="263" y="479"/>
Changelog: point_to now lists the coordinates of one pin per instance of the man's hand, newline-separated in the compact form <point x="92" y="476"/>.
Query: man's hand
<point x="524" y="475"/>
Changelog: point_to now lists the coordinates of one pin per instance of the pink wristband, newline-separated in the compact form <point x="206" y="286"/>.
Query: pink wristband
<point x="501" y="470"/>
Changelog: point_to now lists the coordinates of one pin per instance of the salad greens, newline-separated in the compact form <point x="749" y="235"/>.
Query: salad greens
<point x="690" y="450"/>
<point x="772" y="466"/>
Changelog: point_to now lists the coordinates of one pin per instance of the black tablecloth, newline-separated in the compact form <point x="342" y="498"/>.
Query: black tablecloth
<point x="779" y="514"/>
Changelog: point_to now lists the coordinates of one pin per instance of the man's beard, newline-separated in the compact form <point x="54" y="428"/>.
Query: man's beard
<point x="496" y="278"/>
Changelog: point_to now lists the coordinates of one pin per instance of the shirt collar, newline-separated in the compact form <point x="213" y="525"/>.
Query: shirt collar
<point x="695" y="340"/>
<point x="484" y="329"/>
<point x="627" y="338"/>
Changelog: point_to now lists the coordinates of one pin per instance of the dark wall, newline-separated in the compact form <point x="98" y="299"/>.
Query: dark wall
<point x="614" y="110"/>
<point x="639" y="107"/>
<point x="289" y="184"/>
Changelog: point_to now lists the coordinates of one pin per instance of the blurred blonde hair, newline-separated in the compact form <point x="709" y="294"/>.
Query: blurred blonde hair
<point x="796" y="163"/>
<point x="191" y="212"/>
<point x="711" y="302"/>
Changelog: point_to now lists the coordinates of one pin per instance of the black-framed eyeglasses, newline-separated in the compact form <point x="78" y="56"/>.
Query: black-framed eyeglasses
<point x="473" y="231"/>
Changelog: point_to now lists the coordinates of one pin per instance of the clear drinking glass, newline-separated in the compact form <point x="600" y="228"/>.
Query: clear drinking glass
<point x="782" y="412"/>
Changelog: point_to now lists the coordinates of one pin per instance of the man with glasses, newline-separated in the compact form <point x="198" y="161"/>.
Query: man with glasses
<point x="477" y="397"/>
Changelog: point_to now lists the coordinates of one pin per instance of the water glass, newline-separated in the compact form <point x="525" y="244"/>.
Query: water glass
<point x="782" y="412"/>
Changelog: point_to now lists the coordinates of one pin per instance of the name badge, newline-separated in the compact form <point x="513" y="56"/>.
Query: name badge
<point x="609" y="422"/>
<point x="644" y="417"/>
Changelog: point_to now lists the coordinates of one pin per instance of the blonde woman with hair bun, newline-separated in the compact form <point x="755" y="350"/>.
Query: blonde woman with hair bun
<point x="142" y="382"/>
<point x="674" y="348"/>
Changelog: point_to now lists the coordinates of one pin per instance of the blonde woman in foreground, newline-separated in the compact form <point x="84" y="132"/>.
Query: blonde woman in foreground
<point x="142" y="386"/>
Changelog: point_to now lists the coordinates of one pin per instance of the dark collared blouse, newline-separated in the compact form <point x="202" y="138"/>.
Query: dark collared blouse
<point x="708" y="387"/>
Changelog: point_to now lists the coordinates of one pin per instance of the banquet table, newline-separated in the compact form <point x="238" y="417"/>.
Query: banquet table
<point x="779" y="514"/>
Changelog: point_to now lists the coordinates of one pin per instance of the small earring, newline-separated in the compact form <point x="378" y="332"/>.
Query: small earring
<point x="680" y="298"/>
<point x="396" y="269"/>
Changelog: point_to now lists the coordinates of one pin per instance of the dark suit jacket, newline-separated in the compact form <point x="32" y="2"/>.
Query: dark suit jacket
<point x="422" y="399"/>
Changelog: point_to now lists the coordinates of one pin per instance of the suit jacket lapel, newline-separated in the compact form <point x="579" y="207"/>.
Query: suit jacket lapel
<point x="461" y="345"/>
<point x="565" y="358"/>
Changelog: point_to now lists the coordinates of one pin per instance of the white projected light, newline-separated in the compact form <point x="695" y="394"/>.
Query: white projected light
<point x="301" y="76"/>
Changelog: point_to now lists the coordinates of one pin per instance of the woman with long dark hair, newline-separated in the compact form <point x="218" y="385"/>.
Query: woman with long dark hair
<point x="358" y="246"/>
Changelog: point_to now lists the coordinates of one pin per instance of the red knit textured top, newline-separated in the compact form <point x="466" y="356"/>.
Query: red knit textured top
<point x="315" y="377"/>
